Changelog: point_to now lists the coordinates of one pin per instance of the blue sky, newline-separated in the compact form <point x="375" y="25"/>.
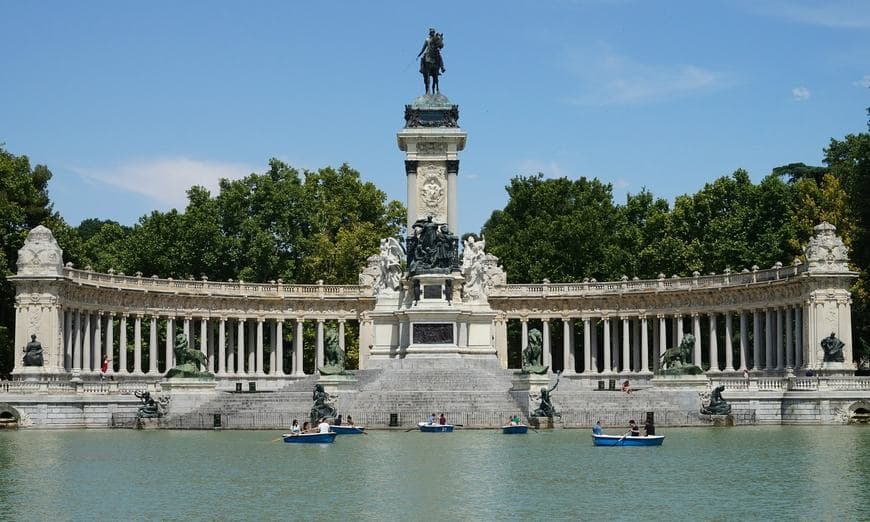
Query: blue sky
<point x="131" y="103"/>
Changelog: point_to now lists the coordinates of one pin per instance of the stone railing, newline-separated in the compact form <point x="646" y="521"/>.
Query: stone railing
<point x="695" y="282"/>
<point x="783" y="383"/>
<point x="216" y="288"/>
<point x="78" y="387"/>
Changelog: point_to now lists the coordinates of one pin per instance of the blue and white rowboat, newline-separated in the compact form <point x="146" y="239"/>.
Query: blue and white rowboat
<point x="347" y="430"/>
<point x="309" y="438"/>
<point x="514" y="429"/>
<point x="614" y="440"/>
<point x="425" y="427"/>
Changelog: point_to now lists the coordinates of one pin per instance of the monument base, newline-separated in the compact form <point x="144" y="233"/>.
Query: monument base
<point x="337" y="383"/>
<point x="545" y="423"/>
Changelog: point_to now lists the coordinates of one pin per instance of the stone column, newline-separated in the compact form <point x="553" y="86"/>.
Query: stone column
<point x="789" y="344"/>
<point x="86" y="343"/>
<point x="187" y="332"/>
<point x="152" y="347"/>
<point x="98" y="341"/>
<point x="110" y="341"/>
<point x="644" y="346"/>
<point x="137" y="345"/>
<point x="524" y="336"/>
<point x="593" y="348"/>
<point x="250" y="347"/>
<point x="799" y="337"/>
<point x="626" y="356"/>
<point x="744" y="340"/>
<point x="587" y="346"/>
<point x="674" y="326"/>
<point x="259" y="370"/>
<point x="714" y="344"/>
<point x="319" y="346"/>
<point x="696" y="331"/>
<point x="278" y="369"/>
<point x="411" y="199"/>
<point x="614" y="346"/>
<point x="122" y="345"/>
<point x="70" y="338"/>
<point x="452" y="215"/>
<point x="756" y="340"/>
<point x="729" y="347"/>
<point x="341" y="343"/>
<point x="568" y="346"/>
<point x="663" y="347"/>
<point x="298" y="349"/>
<point x="222" y="346"/>
<point x="768" y="340"/>
<point x="780" y="349"/>
<point x="635" y="352"/>
<point x="231" y="351"/>
<point x="210" y="330"/>
<point x="273" y="343"/>
<point x="547" y="357"/>
<point x="606" y="350"/>
<point x="203" y="337"/>
<point x="77" y="345"/>
<point x="679" y="330"/>
<point x="170" y="343"/>
<point x="240" y="346"/>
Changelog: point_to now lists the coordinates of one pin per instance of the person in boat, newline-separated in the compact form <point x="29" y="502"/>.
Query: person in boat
<point x="306" y="427"/>
<point x="432" y="420"/>
<point x="442" y="420"/>
<point x="323" y="426"/>
<point x="596" y="430"/>
<point x="649" y="429"/>
<point x="349" y="421"/>
<point x="633" y="429"/>
<point x="294" y="428"/>
<point x="512" y="421"/>
<point x="338" y="421"/>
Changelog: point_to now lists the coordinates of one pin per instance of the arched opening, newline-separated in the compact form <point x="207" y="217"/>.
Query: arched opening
<point x="8" y="416"/>
<point x="859" y="413"/>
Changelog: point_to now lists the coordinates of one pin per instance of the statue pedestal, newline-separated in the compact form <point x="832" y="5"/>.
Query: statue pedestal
<point x="31" y="374"/>
<point x="337" y="383"/>
<point x="529" y="382"/>
<point x="187" y="393"/>
<point x="147" y="424"/>
<point x="722" y="421"/>
<point x="545" y="423"/>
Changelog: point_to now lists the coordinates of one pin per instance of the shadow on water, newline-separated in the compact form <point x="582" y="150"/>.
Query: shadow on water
<point x="736" y="473"/>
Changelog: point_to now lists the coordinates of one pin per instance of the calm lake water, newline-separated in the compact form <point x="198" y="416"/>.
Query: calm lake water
<point x="711" y="474"/>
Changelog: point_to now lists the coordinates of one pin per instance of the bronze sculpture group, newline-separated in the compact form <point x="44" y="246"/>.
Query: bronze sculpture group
<point x="717" y="405"/>
<point x="188" y="362"/>
<point x="546" y="408"/>
<point x="533" y="354"/>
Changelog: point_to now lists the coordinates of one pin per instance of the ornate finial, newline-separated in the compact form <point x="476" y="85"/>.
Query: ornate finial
<point x="826" y="252"/>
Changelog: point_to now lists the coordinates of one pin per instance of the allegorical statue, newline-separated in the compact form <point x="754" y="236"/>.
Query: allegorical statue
<point x="323" y="407"/>
<point x="188" y="362"/>
<point x="533" y="354"/>
<point x="33" y="352"/>
<point x="431" y="63"/>
<point x="432" y="248"/>
<point x="546" y="408"/>
<point x="833" y="349"/>
<point x="150" y="408"/>
<point x="333" y="357"/>
<point x="718" y="405"/>
<point x="675" y="361"/>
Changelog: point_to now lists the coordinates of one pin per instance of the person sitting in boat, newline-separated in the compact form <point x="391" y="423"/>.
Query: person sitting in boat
<point x="294" y="428"/>
<point x="633" y="429"/>
<point x="596" y="430"/>
<point x="512" y="421"/>
<point x="442" y="420"/>
<point x="323" y="426"/>
<point x="338" y="420"/>
<point x="349" y="421"/>
<point x="432" y="419"/>
<point x="649" y="429"/>
<point x="306" y="427"/>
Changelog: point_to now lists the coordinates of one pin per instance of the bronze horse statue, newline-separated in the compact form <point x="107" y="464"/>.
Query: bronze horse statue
<point x="431" y="64"/>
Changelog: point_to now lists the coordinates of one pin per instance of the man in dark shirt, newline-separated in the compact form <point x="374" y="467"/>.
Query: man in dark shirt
<point x="649" y="428"/>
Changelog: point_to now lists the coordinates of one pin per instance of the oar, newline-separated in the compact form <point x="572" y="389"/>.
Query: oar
<point x="619" y="442"/>
<point x="279" y="438"/>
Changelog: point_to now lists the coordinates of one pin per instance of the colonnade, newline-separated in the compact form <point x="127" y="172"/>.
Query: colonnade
<point x="233" y="346"/>
<point x="770" y="339"/>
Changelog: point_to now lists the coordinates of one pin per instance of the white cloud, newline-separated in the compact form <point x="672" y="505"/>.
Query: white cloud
<point x="800" y="94"/>
<point x="621" y="184"/>
<point x="850" y="14"/>
<point x="166" y="180"/>
<point x="863" y="82"/>
<point x="608" y="78"/>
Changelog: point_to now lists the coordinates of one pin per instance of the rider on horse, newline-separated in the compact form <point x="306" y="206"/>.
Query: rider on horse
<point x="431" y="51"/>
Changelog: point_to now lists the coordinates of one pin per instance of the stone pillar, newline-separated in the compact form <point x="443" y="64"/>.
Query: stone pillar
<point x="614" y="346"/>
<point x="568" y="346"/>
<point x="524" y="336"/>
<point x="250" y="347"/>
<point x="86" y="343"/>
<point x="110" y="342"/>
<point x="729" y="346"/>
<point x="756" y="340"/>
<point x="98" y="341"/>
<point x="210" y="346"/>
<point x="170" y="343"/>
<point x="696" y="331"/>
<point x="663" y="347"/>
<point x="644" y="346"/>
<point x="260" y="346"/>
<point x="675" y="324"/>
<point x="587" y="346"/>
<point x="298" y="349"/>
<point x="187" y="332"/>
<point x="626" y="356"/>
<point x="799" y="337"/>
<point x="780" y="349"/>
<point x="593" y="348"/>
<point x="137" y="345"/>
<point x="240" y="346"/>
<point x="231" y="350"/>
<point x="341" y="343"/>
<point x="547" y="356"/>
<point x="122" y="346"/>
<point x="769" y="361"/>
<point x="203" y="337"/>
<point x="152" y="347"/>
<point x="70" y="339"/>
<point x="606" y="350"/>
<point x="789" y="344"/>
<point x="278" y="367"/>
<point x="744" y="340"/>
<point x="679" y="330"/>
<point x="635" y="337"/>
<point x="714" y="344"/>
<point x="452" y="214"/>
<point x="319" y="346"/>
<point x="222" y="346"/>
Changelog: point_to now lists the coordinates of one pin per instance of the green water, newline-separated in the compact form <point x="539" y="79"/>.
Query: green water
<point x="713" y="474"/>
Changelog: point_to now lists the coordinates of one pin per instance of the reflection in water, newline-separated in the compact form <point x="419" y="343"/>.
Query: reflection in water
<point x="738" y="473"/>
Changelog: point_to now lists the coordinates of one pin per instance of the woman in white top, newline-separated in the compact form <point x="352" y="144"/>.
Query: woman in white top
<point x="323" y="426"/>
<point x="294" y="428"/>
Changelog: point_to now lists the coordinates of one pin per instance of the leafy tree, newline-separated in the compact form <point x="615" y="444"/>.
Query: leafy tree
<point x="798" y="171"/>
